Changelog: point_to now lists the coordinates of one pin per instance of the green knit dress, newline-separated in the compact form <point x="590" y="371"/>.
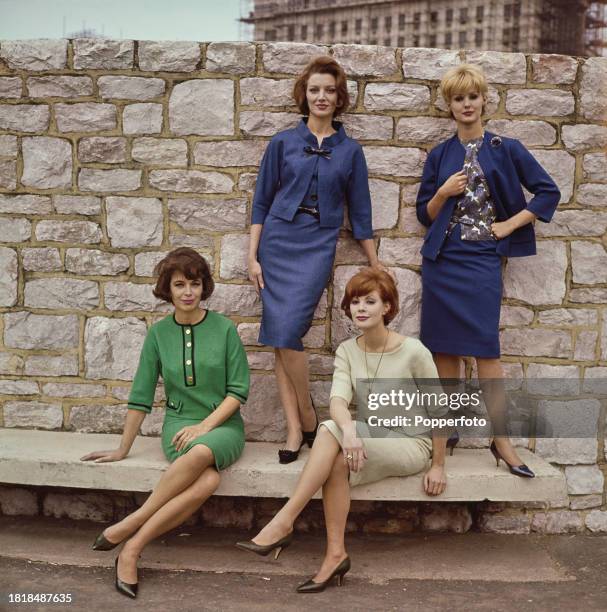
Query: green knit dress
<point x="200" y="365"/>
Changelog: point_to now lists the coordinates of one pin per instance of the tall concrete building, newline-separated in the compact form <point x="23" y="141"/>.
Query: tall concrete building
<point x="573" y="27"/>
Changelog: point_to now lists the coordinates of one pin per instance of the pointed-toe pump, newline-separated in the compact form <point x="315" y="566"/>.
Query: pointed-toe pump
<point x="265" y="549"/>
<point x="518" y="470"/>
<point x="102" y="543"/>
<point x="316" y="587"/>
<point x="130" y="590"/>
<point x="288" y="456"/>
<point x="452" y="442"/>
<point x="310" y="436"/>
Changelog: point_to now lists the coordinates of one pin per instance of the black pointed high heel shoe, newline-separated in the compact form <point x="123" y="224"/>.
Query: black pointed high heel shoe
<point x="130" y="590"/>
<point x="288" y="456"/>
<point x="316" y="587"/>
<point x="310" y="436"/>
<point x="452" y="442"/>
<point x="102" y="543"/>
<point x="265" y="549"/>
<point x="518" y="470"/>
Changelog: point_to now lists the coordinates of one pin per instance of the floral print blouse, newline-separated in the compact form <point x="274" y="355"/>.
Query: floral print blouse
<point x="474" y="211"/>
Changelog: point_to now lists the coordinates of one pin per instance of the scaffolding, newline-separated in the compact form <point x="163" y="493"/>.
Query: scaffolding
<point x="572" y="27"/>
<point x="595" y="38"/>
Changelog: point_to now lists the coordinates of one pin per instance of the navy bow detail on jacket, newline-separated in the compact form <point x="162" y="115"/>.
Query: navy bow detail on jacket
<point x="322" y="152"/>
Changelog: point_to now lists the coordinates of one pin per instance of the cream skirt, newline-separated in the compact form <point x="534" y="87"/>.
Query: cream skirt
<point x="393" y="455"/>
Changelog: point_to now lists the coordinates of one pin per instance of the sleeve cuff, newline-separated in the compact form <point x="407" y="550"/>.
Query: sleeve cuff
<point x="423" y="217"/>
<point x="241" y="398"/>
<point x="539" y="214"/>
<point x="363" y="235"/>
<point x="140" y="407"/>
<point x="258" y="217"/>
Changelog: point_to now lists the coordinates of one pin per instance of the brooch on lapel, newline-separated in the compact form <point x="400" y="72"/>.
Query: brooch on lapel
<point x="496" y="141"/>
<point x="322" y="152"/>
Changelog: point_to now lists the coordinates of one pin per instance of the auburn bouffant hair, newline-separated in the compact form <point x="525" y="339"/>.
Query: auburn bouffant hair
<point x="191" y="264"/>
<point x="322" y="65"/>
<point x="371" y="279"/>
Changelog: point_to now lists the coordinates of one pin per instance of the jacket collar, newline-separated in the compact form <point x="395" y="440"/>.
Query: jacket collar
<point x="330" y="141"/>
<point x="487" y="137"/>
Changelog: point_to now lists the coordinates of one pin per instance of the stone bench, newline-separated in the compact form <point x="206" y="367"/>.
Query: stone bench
<point x="51" y="458"/>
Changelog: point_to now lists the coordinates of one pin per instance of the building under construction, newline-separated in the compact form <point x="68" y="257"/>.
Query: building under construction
<point x="572" y="27"/>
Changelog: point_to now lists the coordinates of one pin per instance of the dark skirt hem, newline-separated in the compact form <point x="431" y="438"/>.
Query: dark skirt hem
<point x="444" y="346"/>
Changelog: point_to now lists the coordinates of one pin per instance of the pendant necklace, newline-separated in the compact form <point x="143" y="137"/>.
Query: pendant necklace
<point x="370" y="385"/>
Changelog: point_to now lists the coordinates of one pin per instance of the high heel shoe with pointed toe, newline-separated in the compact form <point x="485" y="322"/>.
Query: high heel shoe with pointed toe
<point x="265" y="549"/>
<point x="310" y="436"/>
<point x="452" y="442"/>
<point x="316" y="587"/>
<point x="130" y="590"/>
<point x="518" y="470"/>
<point x="288" y="456"/>
<point x="102" y="543"/>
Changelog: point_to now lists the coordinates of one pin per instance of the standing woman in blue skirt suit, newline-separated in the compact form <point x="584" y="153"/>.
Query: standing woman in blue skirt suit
<point x="472" y="201"/>
<point x="306" y="176"/>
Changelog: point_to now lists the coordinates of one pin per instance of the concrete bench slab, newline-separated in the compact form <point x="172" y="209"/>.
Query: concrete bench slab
<point x="51" y="458"/>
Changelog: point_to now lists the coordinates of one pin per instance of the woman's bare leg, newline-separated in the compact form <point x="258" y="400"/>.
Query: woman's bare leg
<point x="295" y="364"/>
<point x="490" y="371"/>
<point x="314" y="475"/>
<point x="170" y="515"/>
<point x="179" y="475"/>
<point x="336" y="504"/>
<point x="288" y="399"/>
<point x="448" y="366"/>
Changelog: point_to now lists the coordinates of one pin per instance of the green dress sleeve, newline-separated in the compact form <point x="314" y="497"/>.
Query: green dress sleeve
<point x="237" y="367"/>
<point x="144" y="384"/>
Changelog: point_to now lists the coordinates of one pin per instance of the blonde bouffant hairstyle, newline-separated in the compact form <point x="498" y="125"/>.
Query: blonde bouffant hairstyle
<point x="463" y="79"/>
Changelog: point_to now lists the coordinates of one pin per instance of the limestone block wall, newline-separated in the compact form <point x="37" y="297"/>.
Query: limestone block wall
<point x="112" y="152"/>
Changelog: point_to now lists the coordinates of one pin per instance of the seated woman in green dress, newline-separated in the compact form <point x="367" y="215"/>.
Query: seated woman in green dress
<point x="206" y="378"/>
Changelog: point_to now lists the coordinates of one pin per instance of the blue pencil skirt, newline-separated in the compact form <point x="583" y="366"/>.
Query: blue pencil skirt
<point x="461" y="298"/>
<point x="296" y="260"/>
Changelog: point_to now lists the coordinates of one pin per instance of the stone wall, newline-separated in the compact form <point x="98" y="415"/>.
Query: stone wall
<point x="114" y="152"/>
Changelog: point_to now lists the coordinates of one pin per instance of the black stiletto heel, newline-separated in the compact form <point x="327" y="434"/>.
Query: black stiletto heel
<point x="518" y="470"/>
<point x="316" y="587"/>
<point x="310" y="436"/>
<point x="266" y="549"/>
<point x="102" y="543"/>
<point x="452" y="442"/>
<point x="130" y="590"/>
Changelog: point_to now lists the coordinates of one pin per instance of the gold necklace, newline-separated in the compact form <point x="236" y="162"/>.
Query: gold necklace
<point x="370" y="385"/>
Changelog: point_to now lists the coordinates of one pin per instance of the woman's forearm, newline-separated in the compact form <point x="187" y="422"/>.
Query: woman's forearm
<point x="222" y="413"/>
<point x="368" y="246"/>
<point x="254" y="240"/>
<point x="132" y="423"/>
<point x="439" y="445"/>
<point x="435" y="204"/>
<point x="521" y="218"/>
<point x="339" y="412"/>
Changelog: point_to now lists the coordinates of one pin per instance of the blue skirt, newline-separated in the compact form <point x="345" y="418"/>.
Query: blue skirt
<point x="461" y="298"/>
<point x="296" y="260"/>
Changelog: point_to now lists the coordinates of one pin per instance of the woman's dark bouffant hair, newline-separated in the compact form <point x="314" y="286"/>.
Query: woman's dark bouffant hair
<point x="322" y="65"/>
<point x="191" y="264"/>
<point x="367" y="280"/>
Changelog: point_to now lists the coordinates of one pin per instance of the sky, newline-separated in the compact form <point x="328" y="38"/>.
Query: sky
<point x="200" y="20"/>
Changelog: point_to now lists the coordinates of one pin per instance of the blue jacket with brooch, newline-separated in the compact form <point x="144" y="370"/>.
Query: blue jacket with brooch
<point x="506" y="164"/>
<point x="287" y="168"/>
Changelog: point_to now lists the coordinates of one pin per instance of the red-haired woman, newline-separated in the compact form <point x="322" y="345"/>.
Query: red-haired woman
<point x="307" y="174"/>
<point x="206" y="378"/>
<point x="340" y="459"/>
